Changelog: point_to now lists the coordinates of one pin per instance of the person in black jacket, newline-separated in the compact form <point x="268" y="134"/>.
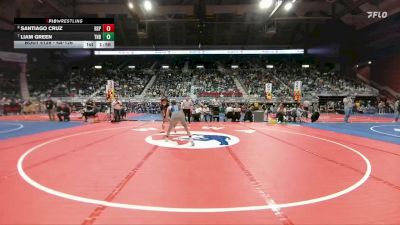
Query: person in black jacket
<point x="248" y="115"/>
<point x="90" y="109"/>
<point x="64" y="112"/>
<point x="50" y="108"/>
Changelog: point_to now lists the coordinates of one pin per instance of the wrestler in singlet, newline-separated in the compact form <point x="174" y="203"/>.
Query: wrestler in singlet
<point x="163" y="108"/>
<point x="176" y="115"/>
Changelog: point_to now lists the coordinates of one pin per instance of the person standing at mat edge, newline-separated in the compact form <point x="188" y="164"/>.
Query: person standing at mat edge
<point x="397" y="109"/>
<point x="117" y="106"/>
<point x="50" y="108"/>
<point x="348" y="108"/>
<point x="187" y="106"/>
<point x="163" y="108"/>
<point x="176" y="115"/>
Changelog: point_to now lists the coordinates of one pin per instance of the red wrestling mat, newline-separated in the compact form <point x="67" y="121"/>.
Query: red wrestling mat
<point x="237" y="173"/>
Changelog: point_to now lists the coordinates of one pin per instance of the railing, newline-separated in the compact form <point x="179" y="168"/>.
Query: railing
<point x="372" y="92"/>
<point x="139" y="98"/>
<point x="251" y="98"/>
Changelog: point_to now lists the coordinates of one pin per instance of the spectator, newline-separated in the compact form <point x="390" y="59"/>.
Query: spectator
<point x="397" y="109"/>
<point x="381" y="107"/>
<point x="348" y="107"/>
<point x="50" y="108"/>
<point x="229" y="113"/>
<point x="248" y="115"/>
<point x="207" y="113"/>
<point x="90" y="109"/>
<point x="236" y="113"/>
<point x="197" y="113"/>
<point x="64" y="112"/>
<point x="281" y="112"/>
<point x="117" y="106"/>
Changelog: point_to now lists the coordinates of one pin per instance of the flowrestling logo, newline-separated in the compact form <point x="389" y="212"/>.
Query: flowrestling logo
<point x="202" y="140"/>
<point x="377" y="14"/>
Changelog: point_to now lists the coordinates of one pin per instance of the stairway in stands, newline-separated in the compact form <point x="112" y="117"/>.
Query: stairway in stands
<point x="151" y="82"/>
<point x="283" y="83"/>
<point x="186" y="67"/>
<point x="240" y="87"/>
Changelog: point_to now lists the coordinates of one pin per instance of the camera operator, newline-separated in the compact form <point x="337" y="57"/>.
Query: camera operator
<point x="90" y="109"/>
<point x="63" y="112"/>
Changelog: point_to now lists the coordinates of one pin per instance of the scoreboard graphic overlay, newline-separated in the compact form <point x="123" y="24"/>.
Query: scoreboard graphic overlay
<point x="76" y="33"/>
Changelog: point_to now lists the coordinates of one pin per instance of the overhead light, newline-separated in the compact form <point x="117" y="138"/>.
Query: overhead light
<point x="305" y="66"/>
<point x="265" y="4"/>
<point x="165" y="67"/>
<point x="369" y="62"/>
<point x="234" y="66"/>
<point x="288" y="6"/>
<point x="98" y="67"/>
<point x="270" y="66"/>
<point x="200" y="67"/>
<point x="131" y="67"/>
<point x="130" y="5"/>
<point x="147" y="5"/>
<point x="356" y="66"/>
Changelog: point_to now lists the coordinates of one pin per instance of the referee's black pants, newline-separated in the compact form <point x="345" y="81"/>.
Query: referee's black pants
<point x="187" y="114"/>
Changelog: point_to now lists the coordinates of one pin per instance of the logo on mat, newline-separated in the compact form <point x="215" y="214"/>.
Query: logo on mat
<point x="202" y="140"/>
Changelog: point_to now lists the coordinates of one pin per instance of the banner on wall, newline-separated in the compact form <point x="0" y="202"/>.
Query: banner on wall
<point x="297" y="90"/>
<point x="110" y="92"/>
<point x="268" y="91"/>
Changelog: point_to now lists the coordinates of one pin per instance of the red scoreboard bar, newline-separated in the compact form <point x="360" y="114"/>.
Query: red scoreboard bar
<point x="72" y="33"/>
<point x="108" y="27"/>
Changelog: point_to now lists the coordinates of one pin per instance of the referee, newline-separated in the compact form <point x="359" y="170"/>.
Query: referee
<point x="187" y="106"/>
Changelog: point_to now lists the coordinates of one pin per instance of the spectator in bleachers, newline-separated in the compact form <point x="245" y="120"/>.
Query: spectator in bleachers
<point x="212" y="83"/>
<point x="206" y="82"/>
<point x="283" y="76"/>
<point x="171" y="83"/>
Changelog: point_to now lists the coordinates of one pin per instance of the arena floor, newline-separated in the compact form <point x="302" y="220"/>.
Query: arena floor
<point x="237" y="173"/>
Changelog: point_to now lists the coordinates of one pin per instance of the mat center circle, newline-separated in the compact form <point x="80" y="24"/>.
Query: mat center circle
<point x="201" y="139"/>
<point x="61" y="194"/>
